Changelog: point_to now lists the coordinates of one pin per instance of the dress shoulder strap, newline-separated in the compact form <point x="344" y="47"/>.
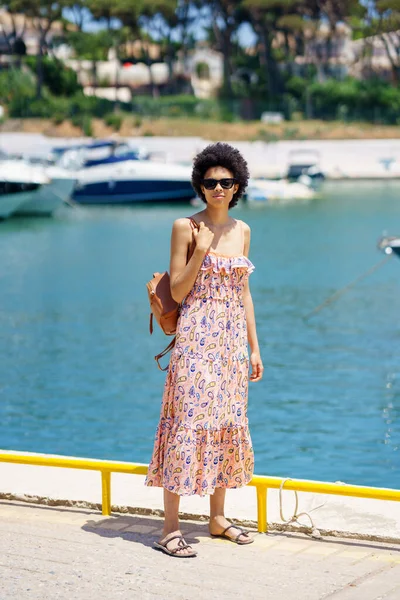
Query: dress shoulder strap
<point x="242" y="234"/>
<point x="193" y="223"/>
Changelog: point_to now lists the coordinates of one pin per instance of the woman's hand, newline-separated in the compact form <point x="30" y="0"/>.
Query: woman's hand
<point x="256" y="367"/>
<point x="203" y="237"/>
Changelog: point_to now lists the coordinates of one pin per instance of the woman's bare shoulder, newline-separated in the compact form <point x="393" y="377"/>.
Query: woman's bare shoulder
<point x="246" y="228"/>
<point x="181" y="224"/>
<point x="182" y="229"/>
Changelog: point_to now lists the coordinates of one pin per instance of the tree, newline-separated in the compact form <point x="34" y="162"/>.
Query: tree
<point x="43" y="13"/>
<point x="80" y="12"/>
<point x="226" y="16"/>
<point x="13" y="35"/>
<point x="388" y="30"/>
<point x="130" y="12"/>
<point x="269" y="18"/>
<point x="160" y="20"/>
<point x="91" y="46"/>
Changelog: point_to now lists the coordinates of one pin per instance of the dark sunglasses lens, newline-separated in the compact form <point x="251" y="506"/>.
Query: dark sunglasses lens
<point x="227" y="183"/>
<point x="211" y="184"/>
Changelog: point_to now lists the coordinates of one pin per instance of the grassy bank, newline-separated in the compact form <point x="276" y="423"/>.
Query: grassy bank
<point x="207" y="129"/>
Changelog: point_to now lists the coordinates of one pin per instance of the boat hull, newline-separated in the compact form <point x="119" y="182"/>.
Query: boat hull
<point x="10" y="203"/>
<point x="264" y="191"/>
<point x="134" y="181"/>
<point x="130" y="192"/>
<point x="47" y="199"/>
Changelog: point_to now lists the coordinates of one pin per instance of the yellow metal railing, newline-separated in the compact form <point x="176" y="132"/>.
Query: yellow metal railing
<point x="261" y="483"/>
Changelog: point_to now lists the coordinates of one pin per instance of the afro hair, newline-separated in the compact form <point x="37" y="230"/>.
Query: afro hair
<point x="220" y="155"/>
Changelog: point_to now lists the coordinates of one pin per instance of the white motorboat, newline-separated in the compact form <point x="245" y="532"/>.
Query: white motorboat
<point x="131" y="181"/>
<point x="51" y="196"/>
<point x="281" y="191"/>
<point x="18" y="185"/>
<point x="27" y="189"/>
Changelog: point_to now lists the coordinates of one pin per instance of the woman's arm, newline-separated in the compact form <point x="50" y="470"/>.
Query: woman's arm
<point x="255" y="358"/>
<point x="184" y="275"/>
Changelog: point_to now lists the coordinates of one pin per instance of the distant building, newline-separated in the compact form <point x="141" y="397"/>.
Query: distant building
<point x="206" y="71"/>
<point x="25" y="29"/>
<point x="375" y="55"/>
<point x="359" y="58"/>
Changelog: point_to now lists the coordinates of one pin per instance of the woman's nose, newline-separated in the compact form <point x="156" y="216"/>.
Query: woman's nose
<point x="218" y="186"/>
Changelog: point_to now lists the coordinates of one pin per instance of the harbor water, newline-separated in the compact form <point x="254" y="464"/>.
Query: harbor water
<point x="77" y="374"/>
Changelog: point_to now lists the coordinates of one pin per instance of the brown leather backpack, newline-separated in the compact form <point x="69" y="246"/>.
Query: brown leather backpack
<point x="163" y="307"/>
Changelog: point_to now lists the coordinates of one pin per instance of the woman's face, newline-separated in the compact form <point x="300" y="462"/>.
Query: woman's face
<point x="219" y="196"/>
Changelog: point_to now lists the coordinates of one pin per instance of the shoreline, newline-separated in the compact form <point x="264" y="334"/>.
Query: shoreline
<point x="373" y="159"/>
<point x="239" y="131"/>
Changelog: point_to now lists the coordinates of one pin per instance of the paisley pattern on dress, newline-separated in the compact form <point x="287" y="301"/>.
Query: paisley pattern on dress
<point x="203" y="440"/>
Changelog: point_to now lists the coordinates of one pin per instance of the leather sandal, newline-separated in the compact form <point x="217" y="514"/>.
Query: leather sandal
<point x="182" y="545"/>
<point x="235" y="540"/>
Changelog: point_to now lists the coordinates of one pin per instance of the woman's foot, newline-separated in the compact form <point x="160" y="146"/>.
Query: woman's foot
<point x="174" y="544"/>
<point x="219" y="526"/>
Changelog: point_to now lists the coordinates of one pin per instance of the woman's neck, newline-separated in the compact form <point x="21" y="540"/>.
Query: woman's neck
<point x="217" y="217"/>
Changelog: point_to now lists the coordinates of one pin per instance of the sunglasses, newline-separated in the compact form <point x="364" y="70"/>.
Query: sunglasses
<point x="226" y="184"/>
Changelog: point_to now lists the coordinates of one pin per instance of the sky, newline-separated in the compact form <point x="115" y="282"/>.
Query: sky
<point x="245" y="33"/>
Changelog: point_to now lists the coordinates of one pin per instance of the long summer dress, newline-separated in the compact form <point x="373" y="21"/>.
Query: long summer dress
<point x="202" y="439"/>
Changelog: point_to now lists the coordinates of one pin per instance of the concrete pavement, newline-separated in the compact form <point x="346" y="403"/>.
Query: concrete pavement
<point x="53" y="553"/>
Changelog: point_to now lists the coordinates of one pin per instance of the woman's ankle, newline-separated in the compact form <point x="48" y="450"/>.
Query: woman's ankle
<point x="169" y="530"/>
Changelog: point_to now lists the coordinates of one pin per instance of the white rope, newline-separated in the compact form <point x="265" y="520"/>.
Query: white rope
<point x="347" y="287"/>
<point x="314" y="532"/>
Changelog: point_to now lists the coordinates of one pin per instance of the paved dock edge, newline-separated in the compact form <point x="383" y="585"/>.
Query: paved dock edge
<point x="135" y="510"/>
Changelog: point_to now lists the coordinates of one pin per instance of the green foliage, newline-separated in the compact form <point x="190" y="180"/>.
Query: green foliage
<point x="58" y="118"/>
<point x="114" y="120"/>
<point x="202" y="70"/>
<point x="296" y="86"/>
<point x="16" y="83"/>
<point x="60" y="80"/>
<point x="352" y="99"/>
<point x="87" y="126"/>
<point x="84" y="122"/>
<point x="185" y="106"/>
<point x="92" y="46"/>
<point x="265" y="135"/>
<point x="165" y="106"/>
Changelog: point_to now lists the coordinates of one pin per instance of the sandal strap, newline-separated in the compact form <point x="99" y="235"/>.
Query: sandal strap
<point x="174" y="537"/>
<point x="182" y="545"/>
<point x="242" y="531"/>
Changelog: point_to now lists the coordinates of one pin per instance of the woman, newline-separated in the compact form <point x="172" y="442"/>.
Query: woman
<point x="203" y="444"/>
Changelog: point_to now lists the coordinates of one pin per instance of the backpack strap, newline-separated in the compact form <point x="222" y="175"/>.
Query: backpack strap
<point x="151" y="323"/>
<point x="192" y="246"/>
<point x="193" y="223"/>
<point x="163" y="353"/>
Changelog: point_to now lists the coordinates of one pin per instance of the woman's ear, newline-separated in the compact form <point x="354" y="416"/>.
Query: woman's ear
<point x="235" y="188"/>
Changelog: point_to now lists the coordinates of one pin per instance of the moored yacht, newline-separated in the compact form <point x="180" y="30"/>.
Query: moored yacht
<point x="27" y="189"/>
<point x="132" y="181"/>
<point x="18" y="185"/>
<point x="390" y="245"/>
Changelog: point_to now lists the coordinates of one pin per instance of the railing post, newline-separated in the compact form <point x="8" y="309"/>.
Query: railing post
<point x="106" y="493"/>
<point x="262" y="508"/>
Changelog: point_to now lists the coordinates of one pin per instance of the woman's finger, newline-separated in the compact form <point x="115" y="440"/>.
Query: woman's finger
<point x="256" y="371"/>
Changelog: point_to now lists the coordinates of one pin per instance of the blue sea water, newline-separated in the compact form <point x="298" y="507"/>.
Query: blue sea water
<point x="77" y="375"/>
